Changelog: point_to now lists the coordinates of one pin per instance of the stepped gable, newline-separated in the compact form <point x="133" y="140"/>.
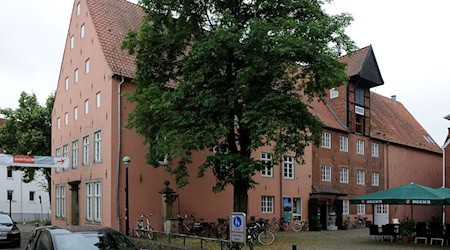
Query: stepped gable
<point x="112" y="20"/>
<point x="391" y="121"/>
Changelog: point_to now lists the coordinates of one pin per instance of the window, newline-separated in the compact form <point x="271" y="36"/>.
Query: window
<point x="32" y="194"/>
<point x="78" y="9"/>
<point x="360" y="209"/>
<point x="58" y="123"/>
<point x="58" y="154"/>
<point x="75" y="113"/>
<point x="345" y="207"/>
<point x="86" y="150"/>
<point x="9" y="172"/>
<point x="359" y="124"/>
<point x="67" y="83"/>
<point x="359" y="95"/>
<point x="375" y="149"/>
<point x="82" y="31"/>
<point x="360" y="147"/>
<point x="288" y="167"/>
<point x="334" y="93"/>
<point x="343" y="144"/>
<point x="343" y="175"/>
<point x="326" y="140"/>
<point x="98" y="146"/>
<point x="267" y="204"/>
<point x="60" y="201"/>
<point x="86" y="107"/>
<point x="76" y="75"/>
<point x="267" y="171"/>
<point x="87" y="66"/>
<point x="66" y="118"/>
<point x="325" y="173"/>
<point x="99" y="100"/>
<point x="72" y="42"/>
<point x="74" y="154"/>
<point x="66" y="151"/>
<point x="375" y="179"/>
<point x="360" y="177"/>
<point x="93" y="201"/>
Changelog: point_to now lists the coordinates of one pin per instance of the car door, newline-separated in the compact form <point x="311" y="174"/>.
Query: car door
<point x="40" y="240"/>
<point x="33" y="238"/>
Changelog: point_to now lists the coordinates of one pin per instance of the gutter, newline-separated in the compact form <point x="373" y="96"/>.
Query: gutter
<point x="119" y="135"/>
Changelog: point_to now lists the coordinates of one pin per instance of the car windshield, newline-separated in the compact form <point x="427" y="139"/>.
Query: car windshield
<point x="5" y="219"/>
<point x="93" y="240"/>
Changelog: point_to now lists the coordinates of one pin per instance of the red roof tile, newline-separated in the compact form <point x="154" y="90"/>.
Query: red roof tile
<point x="392" y="121"/>
<point x="112" y="20"/>
<point x="354" y="61"/>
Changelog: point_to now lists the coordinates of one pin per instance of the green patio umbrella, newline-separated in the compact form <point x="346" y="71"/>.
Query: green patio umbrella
<point x="445" y="192"/>
<point x="409" y="194"/>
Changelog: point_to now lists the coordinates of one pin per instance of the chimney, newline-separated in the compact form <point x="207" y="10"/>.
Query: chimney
<point x="394" y="98"/>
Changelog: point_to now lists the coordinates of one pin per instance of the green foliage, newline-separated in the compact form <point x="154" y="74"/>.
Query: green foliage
<point x="27" y="130"/>
<point x="228" y="73"/>
<point x="406" y="227"/>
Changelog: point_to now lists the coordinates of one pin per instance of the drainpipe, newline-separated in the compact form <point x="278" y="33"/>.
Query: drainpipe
<point x="119" y="133"/>
<point x="281" y="189"/>
<point x="443" y="177"/>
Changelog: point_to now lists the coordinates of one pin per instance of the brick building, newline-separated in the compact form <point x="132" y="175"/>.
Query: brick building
<point x="89" y="119"/>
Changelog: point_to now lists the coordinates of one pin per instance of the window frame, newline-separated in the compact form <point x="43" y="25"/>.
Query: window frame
<point x="360" y="177"/>
<point x="267" y="204"/>
<point x="346" y="207"/>
<point x="76" y="75"/>
<point x="343" y="143"/>
<point x="325" y="173"/>
<point x="326" y="140"/>
<point x="288" y="167"/>
<point x="75" y="113"/>
<point x="375" y="179"/>
<point x="360" y="209"/>
<point x="360" y="147"/>
<point x="344" y="175"/>
<point x="31" y="196"/>
<point x="375" y="152"/>
<point x="86" y="106"/>
<point x="98" y="146"/>
<point x="75" y="154"/>
<point x="266" y="172"/>
<point x="86" y="142"/>
<point x="98" y="99"/>
<point x="82" y="27"/>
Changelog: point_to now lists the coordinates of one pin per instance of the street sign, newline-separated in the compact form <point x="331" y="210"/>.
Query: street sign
<point x="238" y="228"/>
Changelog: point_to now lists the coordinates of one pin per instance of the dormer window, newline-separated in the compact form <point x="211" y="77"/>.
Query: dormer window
<point x="334" y="93"/>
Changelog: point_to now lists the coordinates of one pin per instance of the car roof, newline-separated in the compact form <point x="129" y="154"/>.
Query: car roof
<point x="76" y="229"/>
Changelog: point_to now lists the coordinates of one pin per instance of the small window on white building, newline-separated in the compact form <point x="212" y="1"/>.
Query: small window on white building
<point x="334" y="93"/>
<point x="360" y="147"/>
<point x="343" y="144"/>
<point x="31" y="196"/>
<point x="375" y="179"/>
<point x="78" y="9"/>
<point x="326" y="140"/>
<point x="267" y="204"/>
<point x="75" y="113"/>
<point x="82" y="31"/>
<point x="98" y="97"/>
<point x="76" y="75"/>
<point x="86" y="107"/>
<point x="87" y="65"/>
<point x="325" y="173"/>
<point x="9" y="172"/>
<point x="375" y="149"/>
<point x="72" y="42"/>
<point x="360" y="177"/>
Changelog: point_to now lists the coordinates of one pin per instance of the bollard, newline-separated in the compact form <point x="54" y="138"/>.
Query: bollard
<point x="294" y="247"/>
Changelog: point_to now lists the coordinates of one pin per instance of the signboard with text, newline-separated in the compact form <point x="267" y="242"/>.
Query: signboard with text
<point x="238" y="227"/>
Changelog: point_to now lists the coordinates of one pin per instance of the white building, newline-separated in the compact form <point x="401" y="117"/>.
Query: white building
<point x="26" y="197"/>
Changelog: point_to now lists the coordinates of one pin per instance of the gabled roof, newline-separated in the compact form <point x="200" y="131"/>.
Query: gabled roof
<point x="362" y="65"/>
<point x="326" y="115"/>
<point x="112" y="21"/>
<point x="391" y="121"/>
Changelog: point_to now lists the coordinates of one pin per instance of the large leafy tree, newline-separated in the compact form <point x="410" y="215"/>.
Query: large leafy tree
<point x="27" y="130"/>
<point x="235" y="73"/>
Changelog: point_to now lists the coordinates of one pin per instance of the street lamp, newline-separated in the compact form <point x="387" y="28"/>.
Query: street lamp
<point x="126" y="160"/>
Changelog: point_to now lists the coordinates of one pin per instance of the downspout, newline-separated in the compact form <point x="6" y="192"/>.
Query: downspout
<point x="387" y="165"/>
<point x="281" y="190"/>
<point x="119" y="135"/>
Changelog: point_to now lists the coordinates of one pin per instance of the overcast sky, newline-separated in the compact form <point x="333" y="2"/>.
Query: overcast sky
<point x="410" y="39"/>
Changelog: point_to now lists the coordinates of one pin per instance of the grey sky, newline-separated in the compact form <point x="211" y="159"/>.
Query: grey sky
<point x="409" y="38"/>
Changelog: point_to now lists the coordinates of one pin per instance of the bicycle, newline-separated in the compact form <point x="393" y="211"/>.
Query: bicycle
<point x="222" y="228"/>
<point x="359" y="222"/>
<point x="141" y="230"/>
<point x="276" y="226"/>
<point x="259" y="231"/>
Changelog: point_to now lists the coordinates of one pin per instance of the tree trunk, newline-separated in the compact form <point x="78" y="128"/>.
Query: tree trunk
<point x="240" y="202"/>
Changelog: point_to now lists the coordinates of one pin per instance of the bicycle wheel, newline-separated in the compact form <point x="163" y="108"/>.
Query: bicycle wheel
<point x="274" y="226"/>
<point x="221" y="230"/>
<point x="297" y="226"/>
<point x="266" y="238"/>
<point x="150" y="233"/>
<point x="138" y="232"/>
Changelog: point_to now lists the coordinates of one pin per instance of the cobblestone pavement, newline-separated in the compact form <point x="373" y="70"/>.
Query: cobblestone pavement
<point x="344" y="239"/>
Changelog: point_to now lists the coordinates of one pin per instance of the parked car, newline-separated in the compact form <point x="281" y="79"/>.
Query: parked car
<point x="78" y="237"/>
<point x="9" y="232"/>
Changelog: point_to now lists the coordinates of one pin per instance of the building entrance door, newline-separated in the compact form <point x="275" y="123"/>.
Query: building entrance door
<point x="75" y="203"/>
<point x="381" y="215"/>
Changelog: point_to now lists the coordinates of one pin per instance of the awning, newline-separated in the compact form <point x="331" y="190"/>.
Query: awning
<point x="322" y="190"/>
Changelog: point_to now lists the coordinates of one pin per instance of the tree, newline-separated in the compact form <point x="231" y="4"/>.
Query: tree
<point x="235" y="74"/>
<point x="27" y="130"/>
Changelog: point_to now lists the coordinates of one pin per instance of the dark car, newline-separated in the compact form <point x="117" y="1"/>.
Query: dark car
<point x="78" y="237"/>
<point x="9" y="233"/>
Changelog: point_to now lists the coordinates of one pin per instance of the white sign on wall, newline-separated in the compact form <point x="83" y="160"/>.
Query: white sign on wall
<point x="238" y="228"/>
